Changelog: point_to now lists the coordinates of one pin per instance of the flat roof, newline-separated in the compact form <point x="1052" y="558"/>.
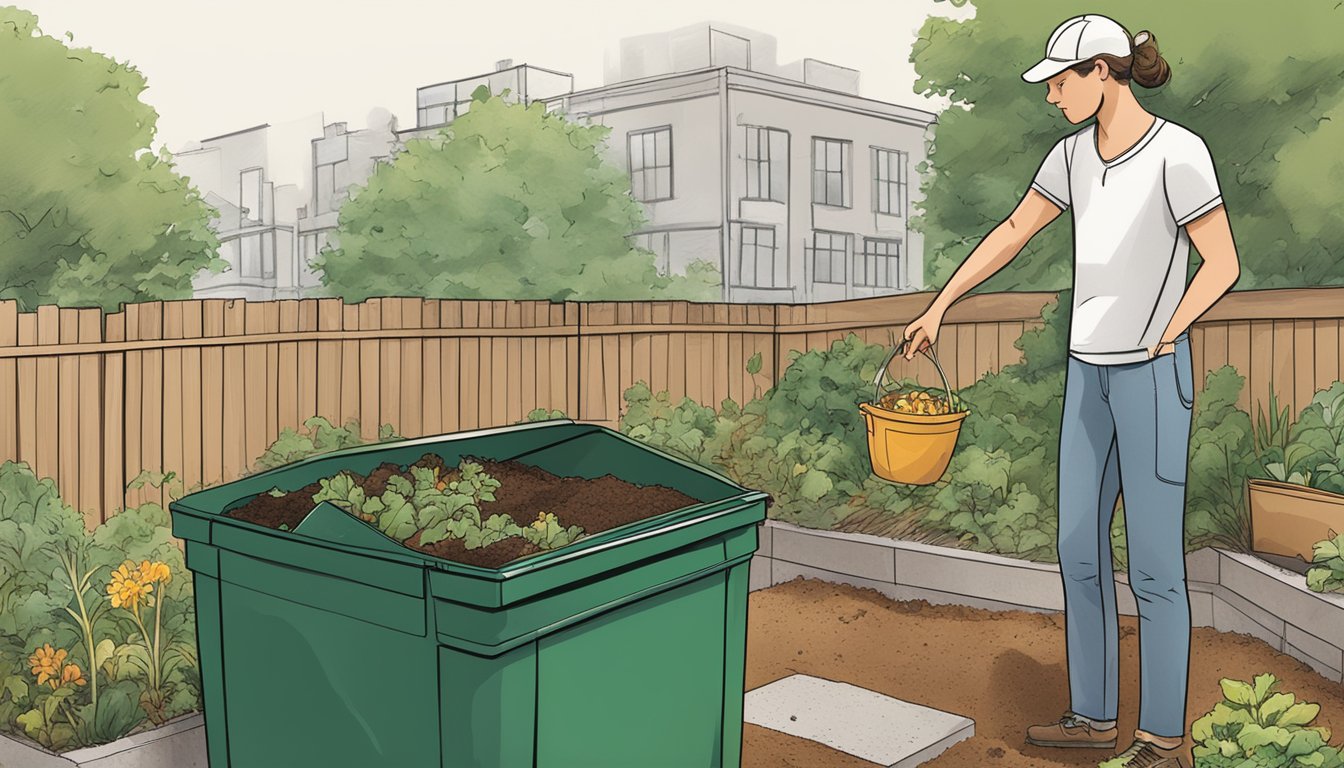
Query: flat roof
<point x="235" y="133"/>
<point x="764" y="78"/>
<point x="495" y="72"/>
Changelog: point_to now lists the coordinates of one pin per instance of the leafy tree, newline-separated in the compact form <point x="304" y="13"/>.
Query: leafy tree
<point x="1264" y="88"/>
<point x="88" y="215"/>
<point x="508" y="202"/>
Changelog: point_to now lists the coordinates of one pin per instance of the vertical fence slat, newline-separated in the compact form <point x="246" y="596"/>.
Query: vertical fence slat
<point x="133" y="393"/>
<point x="9" y="383"/>
<point x="27" y="376"/>
<point x="235" y="404"/>
<point x="433" y="370"/>
<point x="1327" y="353"/>
<point x="174" y="417"/>
<point x="67" y="412"/>
<point x="257" y="400"/>
<point x="307" y="360"/>
<point x="513" y="365"/>
<point x="351" y="371"/>
<point x="192" y="397"/>
<point x="114" y="418"/>
<point x="271" y="322"/>
<point x="330" y="369"/>
<point x="1239" y="357"/>
<point x="48" y="399"/>
<point x="287" y="380"/>
<point x="212" y="393"/>
<point x="369" y="380"/>
<point x="412" y="352"/>
<point x="450" y="361"/>
<point x="1304" y="363"/>
<point x="469" y="364"/>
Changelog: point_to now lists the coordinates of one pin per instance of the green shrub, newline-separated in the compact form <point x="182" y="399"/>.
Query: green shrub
<point x="1313" y="454"/>
<point x="101" y="671"/>
<point x="804" y="442"/>
<point x="1327" y="572"/>
<point x="1255" y="727"/>
<point x="317" y="436"/>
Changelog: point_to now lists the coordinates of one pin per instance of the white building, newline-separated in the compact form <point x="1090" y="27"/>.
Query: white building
<point x="341" y="159"/>
<point x="797" y="187"/>
<point x="256" y="217"/>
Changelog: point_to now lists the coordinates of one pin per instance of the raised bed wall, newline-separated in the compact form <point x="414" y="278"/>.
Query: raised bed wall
<point x="1229" y="591"/>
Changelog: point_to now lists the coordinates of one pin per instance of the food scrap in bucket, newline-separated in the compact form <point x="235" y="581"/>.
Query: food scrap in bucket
<point x="916" y="402"/>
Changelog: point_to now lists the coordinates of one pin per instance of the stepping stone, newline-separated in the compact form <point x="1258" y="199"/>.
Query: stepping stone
<point x="856" y="721"/>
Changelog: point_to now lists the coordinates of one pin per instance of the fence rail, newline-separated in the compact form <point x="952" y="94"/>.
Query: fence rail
<point x="202" y="387"/>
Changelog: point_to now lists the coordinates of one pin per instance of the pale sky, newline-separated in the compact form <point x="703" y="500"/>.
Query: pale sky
<point x="214" y="68"/>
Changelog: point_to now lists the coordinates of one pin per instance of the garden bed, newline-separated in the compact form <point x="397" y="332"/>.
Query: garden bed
<point x="1004" y="669"/>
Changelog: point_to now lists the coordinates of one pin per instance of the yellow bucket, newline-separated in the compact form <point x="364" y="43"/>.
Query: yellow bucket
<point x="911" y="448"/>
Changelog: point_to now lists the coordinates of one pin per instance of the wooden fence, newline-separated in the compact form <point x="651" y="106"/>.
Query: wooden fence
<point x="201" y="388"/>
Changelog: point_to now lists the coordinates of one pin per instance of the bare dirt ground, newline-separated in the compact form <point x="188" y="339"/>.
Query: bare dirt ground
<point x="1005" y="670"/>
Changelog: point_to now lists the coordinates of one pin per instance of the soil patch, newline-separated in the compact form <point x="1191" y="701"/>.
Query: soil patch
<point x="1005" y="670"/>
<point x="596" y="505"/>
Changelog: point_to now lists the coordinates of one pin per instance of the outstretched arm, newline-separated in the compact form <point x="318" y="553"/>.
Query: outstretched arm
<point x="1211" y="235"/>
<point x="994" y="252"/>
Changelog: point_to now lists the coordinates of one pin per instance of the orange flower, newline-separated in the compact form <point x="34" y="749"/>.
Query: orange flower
<point x="72" y="674"/>
<point x="46" y="662"/>
<point x="127" y="588"/>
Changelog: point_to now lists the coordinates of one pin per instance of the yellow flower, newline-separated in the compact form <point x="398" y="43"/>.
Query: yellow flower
<point x="72" y="674"/>
<point x="155" y="571"/>
<point x="127" y="587"/>
<point x="46" y="662"/>
<point x="542" y="519"/>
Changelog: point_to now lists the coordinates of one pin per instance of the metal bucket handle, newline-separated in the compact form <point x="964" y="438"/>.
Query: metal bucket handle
<point x="952" y="397"/>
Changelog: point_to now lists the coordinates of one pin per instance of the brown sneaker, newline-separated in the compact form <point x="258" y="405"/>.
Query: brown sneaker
<point x="1070" y="731"/>
<point x="1142" y="754"/>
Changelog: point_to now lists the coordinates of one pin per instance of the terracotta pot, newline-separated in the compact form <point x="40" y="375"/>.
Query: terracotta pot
<point x="1288" y="519"/>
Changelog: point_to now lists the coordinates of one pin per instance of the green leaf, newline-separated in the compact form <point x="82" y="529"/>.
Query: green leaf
<point x="1253" y="737"/>
<point x="1301" y="713"/>
<point x="397" y="520"/>
<point x="1238" y="692"/>
<point x="103" y="652"/>
<point x="1263" y="685"/>
<point x="16" y="687"/>
<point x="1304" y="742"/>
<point x="754" y="364"/>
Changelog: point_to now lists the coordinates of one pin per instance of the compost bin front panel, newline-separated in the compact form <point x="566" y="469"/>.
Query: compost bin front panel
<point x="641" y="685"/>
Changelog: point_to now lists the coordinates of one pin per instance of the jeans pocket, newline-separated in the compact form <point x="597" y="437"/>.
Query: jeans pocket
<point x="1185" y="376"/>
<point x="1173" y="415"/>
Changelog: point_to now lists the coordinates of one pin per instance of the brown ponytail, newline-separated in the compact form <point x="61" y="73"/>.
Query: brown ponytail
<point x="1145" y="66"/>
<point x="1149" y="69"/>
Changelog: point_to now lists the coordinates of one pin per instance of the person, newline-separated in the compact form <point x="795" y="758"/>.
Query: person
<point x="1142" y="189"/>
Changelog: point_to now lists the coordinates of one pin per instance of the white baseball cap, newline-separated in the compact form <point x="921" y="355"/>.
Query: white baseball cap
<point x="1078" y="40"/>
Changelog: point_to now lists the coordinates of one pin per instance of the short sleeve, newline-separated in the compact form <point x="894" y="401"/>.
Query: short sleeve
<point x="1052" y="178"/>
<point x="1191" y="183"/>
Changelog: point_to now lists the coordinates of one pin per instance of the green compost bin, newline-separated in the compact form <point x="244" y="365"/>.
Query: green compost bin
<point x="333" y="645"/>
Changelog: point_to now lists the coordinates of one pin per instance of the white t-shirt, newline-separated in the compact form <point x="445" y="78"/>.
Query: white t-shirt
<point x="1131" y="250"/>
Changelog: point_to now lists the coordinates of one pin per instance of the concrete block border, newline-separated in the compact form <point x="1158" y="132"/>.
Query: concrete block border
<point x="179" y="743"/>
<point x="1229" y="591"/>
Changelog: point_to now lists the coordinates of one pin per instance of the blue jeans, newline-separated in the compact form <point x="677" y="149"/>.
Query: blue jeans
<point x="1127" y="427"/>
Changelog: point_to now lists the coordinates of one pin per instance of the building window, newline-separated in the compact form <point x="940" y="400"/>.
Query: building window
<point x="828" y="257"/>
<point x="251" y="256"/>
<point x="759" y="263"/>
<point x="889" y="169"/>
<point x="767" y="163"/>
<point x="249" y="194"/>
<point x="830" y="183"/>
<point x="651" y="164"/>
<point x="879" y="266"/>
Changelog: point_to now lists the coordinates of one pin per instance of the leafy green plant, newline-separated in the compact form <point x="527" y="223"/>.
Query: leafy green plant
<point x="317" y="436"/>
<point x="1313" y="452"/>
<point x="541" y="414"/>
<point x="441" y="507"/>
<point x="70" y="665"/>
<point x="1272" y="432"/>
<point x="1327" y="558"/>
<point x="1256" y="727"/>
